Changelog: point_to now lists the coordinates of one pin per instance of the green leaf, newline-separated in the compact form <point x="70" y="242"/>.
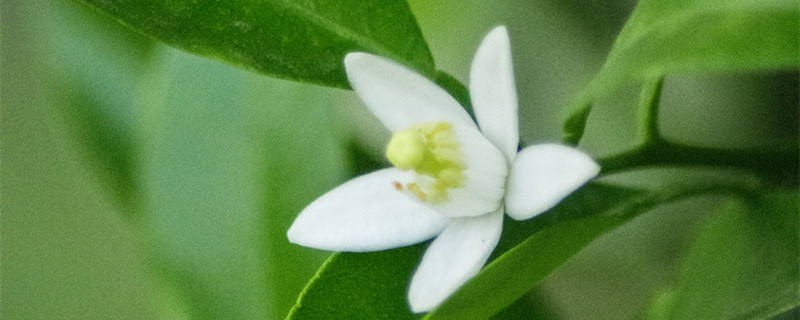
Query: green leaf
<point x="302" y="155"/>
<point x="683" y="36"/>
<point x="743" y="265"/>
<point x="200" y="211"/>
<point x="97" y="89"/>
<point x="531" y="250"/>
<point x="229" y="158"/>
<point x="349" y="285"/>
<point x="297" y="40"/>
<point x="360" y="286"/>
<point x="65" y="253"/>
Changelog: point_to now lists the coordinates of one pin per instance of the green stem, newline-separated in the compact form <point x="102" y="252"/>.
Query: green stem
<point x="778" y="166"/>
<point x="649" y="102"/>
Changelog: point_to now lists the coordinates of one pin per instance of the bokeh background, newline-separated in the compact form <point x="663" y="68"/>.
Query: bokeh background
<point x="141" y="182"/>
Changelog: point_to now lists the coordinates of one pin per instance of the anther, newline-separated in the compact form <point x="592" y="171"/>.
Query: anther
<point x="415" y="189"/>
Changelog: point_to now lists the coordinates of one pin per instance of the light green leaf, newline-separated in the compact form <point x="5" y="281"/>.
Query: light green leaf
<point x="200" y="212"/>
<point x="301" y="155"/>
<point x="683" y="36"/>
<point x="349" y="285"/>
<point x="298" y="40"/>
<point x="65" y="253"/>
<point x="229" y="158"/>
<point x="97" y="89"/>
<point x="743" y="265"/>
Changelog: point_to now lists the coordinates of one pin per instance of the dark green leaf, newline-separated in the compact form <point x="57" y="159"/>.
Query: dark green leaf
<point x="682" y="36"/>
<point x="298" y="40"/>
<point x="531" y="306"/>
<point x="743" y="265"/>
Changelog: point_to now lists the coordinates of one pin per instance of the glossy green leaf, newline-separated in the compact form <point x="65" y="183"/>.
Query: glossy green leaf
<point x="683" y="36"/>
<point x="299" y="40"/>
<point x="349" y="285"/>
<point x="360" y="286"/>
<point x="743" y="265"/>
<point x="229" y="157"/>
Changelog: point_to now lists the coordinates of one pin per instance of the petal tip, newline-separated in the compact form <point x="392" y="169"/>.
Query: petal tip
<point x="497" y="37"/>
<point x="455" y="257"/>
<point x="299" y="233"/>
<point x="493" y="91"/>
<point x="543" y="175"/>
<point x="420" y="305"/>
<point x="498" y="31"/>
<point x="354" y="58"/>
<point x="293" y="234"/>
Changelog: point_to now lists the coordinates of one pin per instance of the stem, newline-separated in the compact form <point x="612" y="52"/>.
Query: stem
<point x="779" y="166"/>
<point x="649" y="102"/>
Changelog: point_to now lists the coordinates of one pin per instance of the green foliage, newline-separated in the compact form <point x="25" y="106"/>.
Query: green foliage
<point x="682" y="36"/>
<point x="199" y="193"/>
<point x="98" y="100"/>
<point x="531" y="250"/>
<point x="528" y="252"/>
<point x="65" y="253"/>
<point x="222" y="179"/>
<point x="299" y="40"/>
<point x="211" y="164"/>
<point x="743" y="265"/>
<point x="360" y="286"/>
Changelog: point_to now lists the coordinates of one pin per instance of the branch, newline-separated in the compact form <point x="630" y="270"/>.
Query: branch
<point x="778" y="166"/>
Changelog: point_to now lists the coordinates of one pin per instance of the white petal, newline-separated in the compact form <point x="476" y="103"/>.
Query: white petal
<point x="543" y="175"/>
<point x="399" y="97"/>
<point x="365" y="214"/>
<point x="453" y="258"/>
<point x="484" y="185"/>
<point x="493" y="92"/>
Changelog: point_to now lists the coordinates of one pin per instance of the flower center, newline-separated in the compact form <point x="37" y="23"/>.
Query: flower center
<point x="432" y="151"/>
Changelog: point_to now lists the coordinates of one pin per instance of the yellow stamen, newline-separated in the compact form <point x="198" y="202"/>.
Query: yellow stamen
<point x="415" y="189"/>
<point x="430" y="149"/>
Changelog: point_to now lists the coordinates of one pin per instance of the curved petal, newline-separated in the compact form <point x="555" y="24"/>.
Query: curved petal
<point x="453" y="258"/>
<point x="365" y="214"/>
<point x="543" y="175"/>
<point x="484" y="185"/>
<point x="399" y="97"/>
<point x="493" y="92"/>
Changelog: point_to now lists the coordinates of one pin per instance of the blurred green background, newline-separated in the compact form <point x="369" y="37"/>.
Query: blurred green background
<point x="142" y="182"/>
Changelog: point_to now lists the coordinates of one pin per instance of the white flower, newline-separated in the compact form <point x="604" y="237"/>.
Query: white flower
<point x="451" y="180"/>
